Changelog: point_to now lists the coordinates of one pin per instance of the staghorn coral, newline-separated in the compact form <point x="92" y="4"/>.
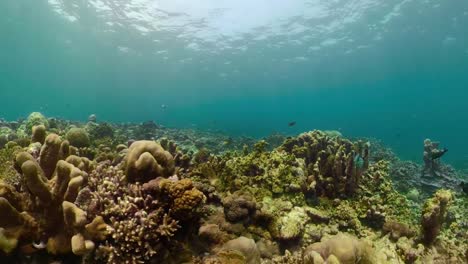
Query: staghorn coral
<point x="434" y="215"/>
<point x="147" y="160"/>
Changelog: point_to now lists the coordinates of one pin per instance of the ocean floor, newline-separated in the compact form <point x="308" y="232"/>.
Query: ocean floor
<point x="99" y="192"/>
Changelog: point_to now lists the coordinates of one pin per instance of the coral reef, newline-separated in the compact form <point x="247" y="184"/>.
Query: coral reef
<point x="185" y="196"/>
<point x="434" y="215"/>
<point x="78" y="137"/>
<point x="145" y="218"/>
<point x="340" y="248"/>
<point x="147" y="160"/>
<point x="334" y="164"/>
<point x="436" y="175"/>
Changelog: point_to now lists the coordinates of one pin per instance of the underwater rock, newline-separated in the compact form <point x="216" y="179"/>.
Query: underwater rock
<point x="434" y="215"/>
<point x="78" y="137"/>
<point x="147" y="160"/>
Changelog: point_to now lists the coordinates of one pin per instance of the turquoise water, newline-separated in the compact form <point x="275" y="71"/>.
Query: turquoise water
<point x="394" y="70"/>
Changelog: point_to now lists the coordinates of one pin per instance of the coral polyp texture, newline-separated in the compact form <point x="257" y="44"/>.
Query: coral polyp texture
<point x="98" y="192"/>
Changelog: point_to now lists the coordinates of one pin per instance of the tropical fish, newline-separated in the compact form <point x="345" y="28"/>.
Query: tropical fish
<point x="291" y="124"/>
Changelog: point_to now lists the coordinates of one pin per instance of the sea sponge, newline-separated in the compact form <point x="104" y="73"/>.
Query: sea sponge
<point x="147" y="160"/>
<point x="78" y="137"/>
<point x="38" y="134"/>
<point x="434" y="214"/>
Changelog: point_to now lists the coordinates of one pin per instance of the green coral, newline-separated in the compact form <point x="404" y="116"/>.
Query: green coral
<point x="78" y="137"/>
<point x="334" y="164"/>
<point x="34" y="119"/>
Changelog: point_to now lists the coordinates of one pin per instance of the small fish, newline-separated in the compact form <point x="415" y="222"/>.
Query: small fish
<point x="439" y="153"/>
<point x="291" y="124"/>
<point x="163" y="107"/>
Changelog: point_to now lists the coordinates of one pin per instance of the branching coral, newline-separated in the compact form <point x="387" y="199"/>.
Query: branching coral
<point x="50" y="211"/>
<point x="334" y="164"/>
<point x="144" y="218"/>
